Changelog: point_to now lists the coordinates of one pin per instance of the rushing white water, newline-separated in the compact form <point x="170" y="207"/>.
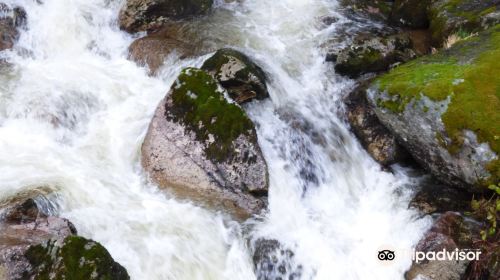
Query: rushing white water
<point x="74" y="111"/>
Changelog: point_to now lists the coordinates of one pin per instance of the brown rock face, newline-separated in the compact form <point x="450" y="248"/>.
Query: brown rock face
<point x="10" y="20"/>
<point x="450" y="231"/>
<point x="141" y="15"/>
<point x="375" y="138"/>
<point x="153" y="49"/>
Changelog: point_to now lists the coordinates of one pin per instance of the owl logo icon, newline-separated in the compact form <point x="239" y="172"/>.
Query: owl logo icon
<point x="386" y="255"/>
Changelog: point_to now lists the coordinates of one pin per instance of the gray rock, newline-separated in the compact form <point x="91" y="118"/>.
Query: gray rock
<point x="373" y="53"/>
<point x="205" y="148"/>
<point x="242" y="78"/>
<point x="141" y="15"/>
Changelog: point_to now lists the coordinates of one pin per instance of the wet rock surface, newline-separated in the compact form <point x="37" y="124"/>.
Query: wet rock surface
<point x="433" y="197"/>
<point x="450" y="231"/>
<point x="203" y="147"/>
<point x="241" y="77"/>
<point x="11" y="18"/>
<point x="378" y="10"/>
<point x="142" y="15"/>
<point x="153" y="49"/>
<point x="410" y="13"/>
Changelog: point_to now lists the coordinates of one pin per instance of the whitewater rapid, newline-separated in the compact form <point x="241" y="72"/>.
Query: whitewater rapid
<point x="74" y="112"/>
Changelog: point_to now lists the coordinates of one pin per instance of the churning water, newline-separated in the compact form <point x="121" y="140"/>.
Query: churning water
<point x="74" y="111"/>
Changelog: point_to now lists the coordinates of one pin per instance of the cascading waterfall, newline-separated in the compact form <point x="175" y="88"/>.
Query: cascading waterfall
<point x="74" y="111"/>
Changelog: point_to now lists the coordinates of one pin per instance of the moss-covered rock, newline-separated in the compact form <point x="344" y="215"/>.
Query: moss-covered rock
<point x="445" y="109"/>
<point x="461" y="17"/>
<point x="410" y="13"/>
<point x="141" y="15"/>
<point x="242" y="78"/>
<point x="75" y="258"/>
<point x="373" y="53"/>
<point x="204" y="147"/>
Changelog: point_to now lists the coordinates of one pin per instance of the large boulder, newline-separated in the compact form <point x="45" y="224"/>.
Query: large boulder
<point x="204" y="147"/>
<point x="375" y="137"/>
<point x="373" y="53"/>
<point x="243" y="79"/>
<point x="461" y="18"/>
<point x="444" y="110"/>
<point x="449" y="232"/>
<point x="34" y="245"/>
<point x="410" y="13"/>
<point x="141" y="15"/>
<point x="10" y="20"/>
<point x="152" y="49"/>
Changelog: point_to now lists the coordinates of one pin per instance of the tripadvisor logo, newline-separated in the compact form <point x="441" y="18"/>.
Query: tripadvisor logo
<point x="445" y="255"/>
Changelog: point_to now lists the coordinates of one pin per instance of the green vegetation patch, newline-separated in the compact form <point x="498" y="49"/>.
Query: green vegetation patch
<point x="77" y="258"/>
<point x="469" y="75"/>
<point x="203" y="109"/>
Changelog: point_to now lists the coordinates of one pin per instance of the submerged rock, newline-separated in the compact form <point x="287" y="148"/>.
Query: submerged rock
<point x="10" y="20"/>
<point x="204" y="147"/>
<point x="153" y="49"/>
<point x="141" y="15"/>
<point x="373" y="53"/>
<point x="273" y="261"/>
<point x="35" y="245"/>
<point x="461" y="18"/>
<point x="243" y="79"/>
<point x="375" y="137"/>
<point x="450" y="231"/>
<point x="444" y="110"/>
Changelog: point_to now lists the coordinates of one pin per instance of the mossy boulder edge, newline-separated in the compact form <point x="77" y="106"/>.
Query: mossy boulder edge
<point x="445" y="110"/>
<point x="204" y="147"/>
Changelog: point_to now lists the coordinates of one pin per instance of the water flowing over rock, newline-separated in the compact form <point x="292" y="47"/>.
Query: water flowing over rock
<point x="152" y="49"/>
<point x="444" y="110"/>
<point x="373" y="53"/>
<point x="34" y="245"/>
<point x="375" y="137"/>
<point x="273" y="261"/>
<point x="243" y="79"/>
<point x="141" y="15"/>
<point x="10" y="20"/>
<point x="205" y="148"/>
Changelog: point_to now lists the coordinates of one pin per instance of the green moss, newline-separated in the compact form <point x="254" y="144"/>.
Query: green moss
<point x="472" y="84"/>
<point x="76" y="258"/>
<point x="468" y="17"/>
<point x="202" y="108"/>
